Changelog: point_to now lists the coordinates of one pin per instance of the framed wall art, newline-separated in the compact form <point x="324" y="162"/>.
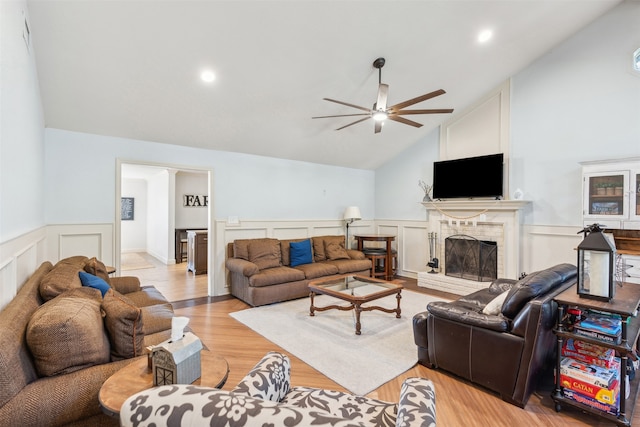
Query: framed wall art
<point x="126" y="209"/>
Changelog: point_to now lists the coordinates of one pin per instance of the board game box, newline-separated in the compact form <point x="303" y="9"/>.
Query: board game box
<point x="591" y="354"/>
<point x="591" y="374"/>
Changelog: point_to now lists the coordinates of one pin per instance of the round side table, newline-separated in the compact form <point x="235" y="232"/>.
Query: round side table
<point x="136" y="377"/>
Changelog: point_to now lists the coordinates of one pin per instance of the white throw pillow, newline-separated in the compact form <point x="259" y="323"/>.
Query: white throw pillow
<point x="495" y="305"/>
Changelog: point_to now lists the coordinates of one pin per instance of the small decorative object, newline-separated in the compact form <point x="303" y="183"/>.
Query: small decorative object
<point x="427" y="189"/>
<point x="518" y="194"/>
<point x="177" y="360"/>
<point x="596" y="271"/>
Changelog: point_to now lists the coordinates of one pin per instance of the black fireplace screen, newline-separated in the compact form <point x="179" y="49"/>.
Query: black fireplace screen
<point x="466" y="257"/>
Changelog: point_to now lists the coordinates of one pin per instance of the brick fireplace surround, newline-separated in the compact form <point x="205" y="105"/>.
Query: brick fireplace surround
<point x="499" y="221"/>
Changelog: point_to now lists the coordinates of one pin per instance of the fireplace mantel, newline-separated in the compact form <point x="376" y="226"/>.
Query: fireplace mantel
<point x="494" y="220"/>
<point x="476" y="205"/>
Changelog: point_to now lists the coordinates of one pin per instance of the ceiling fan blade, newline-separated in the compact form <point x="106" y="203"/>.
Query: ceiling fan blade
<point x="433" y="111"/>
<point x="378" y="127"/>
<point x="342" y="115"/>
<point x="412" y="101"/>
<point x="381" y="102"/>
<point x="347" y="104"/>
<point x="405" y="121"/>
<point x="353" y="123"/>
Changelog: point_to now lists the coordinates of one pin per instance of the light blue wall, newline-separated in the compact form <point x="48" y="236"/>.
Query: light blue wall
<point x="398" y="195"/>
<point x="81" y="175"/>
<point x="580" y="101"/>
<point x="21" y="128"/>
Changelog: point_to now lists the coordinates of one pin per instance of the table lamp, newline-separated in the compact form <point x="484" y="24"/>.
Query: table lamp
<point x="352" y="213"/>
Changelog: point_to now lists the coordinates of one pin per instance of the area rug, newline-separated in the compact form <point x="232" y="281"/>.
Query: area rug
<point x="133" y="261"/>
<point x="327" y="341"/>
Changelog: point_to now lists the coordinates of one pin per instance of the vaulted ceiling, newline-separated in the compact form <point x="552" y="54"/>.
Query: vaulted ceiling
<point x="132" y="68"/>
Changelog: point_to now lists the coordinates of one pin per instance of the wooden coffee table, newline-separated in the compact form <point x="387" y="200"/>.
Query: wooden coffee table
<point x="356" y="290"/>
<point x="137" y="377"/>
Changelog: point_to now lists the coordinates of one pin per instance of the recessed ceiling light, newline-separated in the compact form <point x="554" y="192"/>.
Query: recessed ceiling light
<point x="207" y="76"/>
<point x="485" y="36"/>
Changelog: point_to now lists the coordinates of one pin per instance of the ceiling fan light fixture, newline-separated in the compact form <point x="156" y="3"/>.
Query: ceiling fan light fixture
<point x="380" y="116"/>
<point x="381" y="112"/>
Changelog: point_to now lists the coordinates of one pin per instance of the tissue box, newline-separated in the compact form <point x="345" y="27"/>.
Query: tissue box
<point x="176" y="362"/>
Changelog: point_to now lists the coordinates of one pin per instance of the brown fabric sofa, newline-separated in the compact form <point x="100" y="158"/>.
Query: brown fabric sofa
<point x="60" y="340"/>
<point x="261" y="271"/>
<point x="500" y="337"/>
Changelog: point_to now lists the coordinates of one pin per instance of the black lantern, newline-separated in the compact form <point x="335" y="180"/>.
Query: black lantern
<point x="596" y="265"/>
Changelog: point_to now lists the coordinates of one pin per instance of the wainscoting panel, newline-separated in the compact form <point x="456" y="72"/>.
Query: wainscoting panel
<point x="542" y="246"/>
<point x="90" y="240"/>
<point x="415" y="250"/>
<point x="411" y="243"/>
<point x="19" y="258"/>
<point x="291" y="233"/>
<point x="545" y="246"/>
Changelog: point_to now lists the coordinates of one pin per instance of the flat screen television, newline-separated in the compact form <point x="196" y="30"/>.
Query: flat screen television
<point x="468" y="178"/>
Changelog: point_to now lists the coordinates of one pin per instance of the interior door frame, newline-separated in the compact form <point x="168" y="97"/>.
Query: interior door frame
<point x="210" y="219"/>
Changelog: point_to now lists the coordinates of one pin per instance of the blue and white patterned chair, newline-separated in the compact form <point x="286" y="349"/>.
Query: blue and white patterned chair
<point x="264" y="398"/>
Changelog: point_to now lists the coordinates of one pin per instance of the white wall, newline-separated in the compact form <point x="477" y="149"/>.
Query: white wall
<point x="133" y="234"/>
<point x="160" y="236"/>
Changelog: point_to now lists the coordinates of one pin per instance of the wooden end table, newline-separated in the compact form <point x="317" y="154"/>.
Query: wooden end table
<point x="136" y="377"/>
<point x="387" y="252"/>
<point x="356" y="290"/>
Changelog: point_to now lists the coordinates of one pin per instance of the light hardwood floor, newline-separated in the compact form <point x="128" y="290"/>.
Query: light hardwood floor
<point x="459" y="403"/>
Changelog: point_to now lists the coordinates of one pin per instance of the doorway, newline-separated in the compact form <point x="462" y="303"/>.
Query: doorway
<point x="149" y="204"/>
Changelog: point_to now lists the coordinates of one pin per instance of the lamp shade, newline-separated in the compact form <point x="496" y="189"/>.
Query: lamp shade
<point x="352" y="213"/>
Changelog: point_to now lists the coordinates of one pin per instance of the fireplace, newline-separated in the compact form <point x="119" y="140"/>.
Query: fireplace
<point x="496" y="221"/>
<point x="469" y="258"/>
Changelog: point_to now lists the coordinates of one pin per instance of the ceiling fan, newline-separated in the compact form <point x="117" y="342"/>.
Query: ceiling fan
<point x="380" y="112"/>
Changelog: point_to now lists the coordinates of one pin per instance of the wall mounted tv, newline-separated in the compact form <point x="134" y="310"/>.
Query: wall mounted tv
<point x="468" y="178"/>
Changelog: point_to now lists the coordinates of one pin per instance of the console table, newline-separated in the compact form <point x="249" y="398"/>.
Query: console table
<point x="386" y="254"/>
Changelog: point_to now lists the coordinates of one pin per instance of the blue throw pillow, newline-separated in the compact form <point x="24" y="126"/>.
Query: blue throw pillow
<point x="300" y="253"/>
<point x="94" y="282"/>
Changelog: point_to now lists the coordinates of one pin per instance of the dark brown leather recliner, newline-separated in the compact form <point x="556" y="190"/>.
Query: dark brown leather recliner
<point x="505" y="352"/>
